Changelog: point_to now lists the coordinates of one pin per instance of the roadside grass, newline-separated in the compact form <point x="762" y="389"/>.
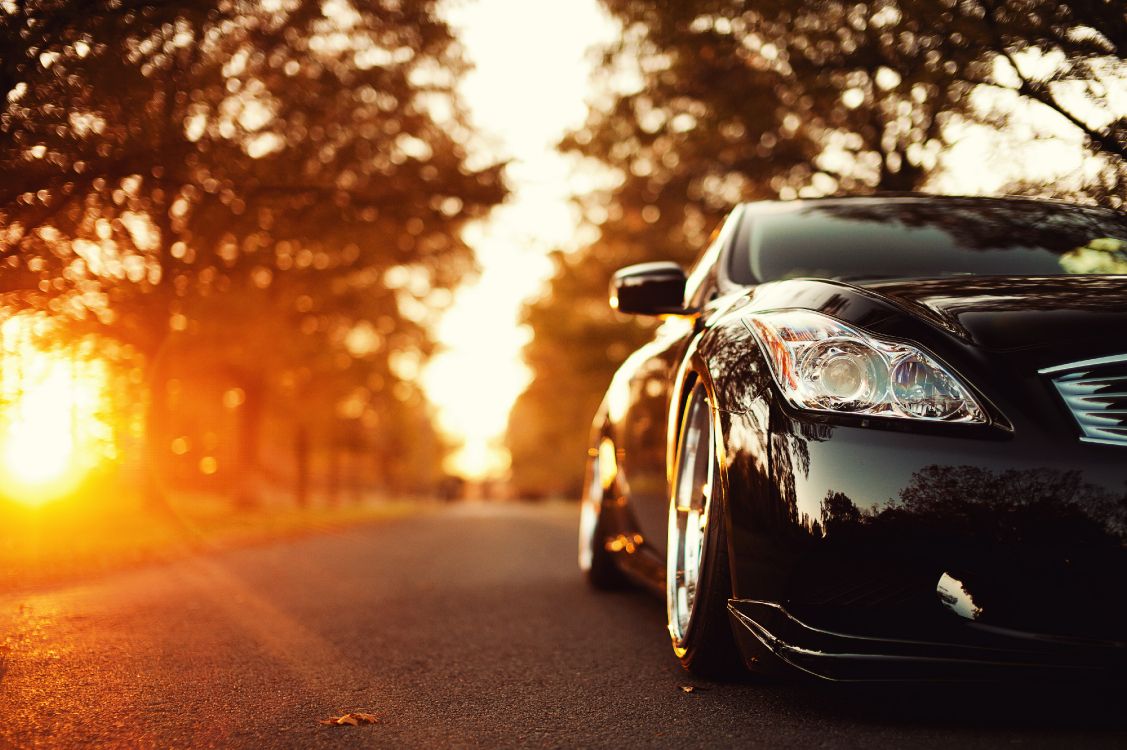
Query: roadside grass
<point x="106" y="529"/>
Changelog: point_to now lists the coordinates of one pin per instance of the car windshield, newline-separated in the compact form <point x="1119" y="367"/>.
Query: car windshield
<point x="914" y="238"/>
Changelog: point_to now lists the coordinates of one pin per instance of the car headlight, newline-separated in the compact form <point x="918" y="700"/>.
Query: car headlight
<point x="825" y="365"/>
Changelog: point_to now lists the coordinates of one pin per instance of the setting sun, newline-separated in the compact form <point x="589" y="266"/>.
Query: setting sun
<point x="50" y="431"/>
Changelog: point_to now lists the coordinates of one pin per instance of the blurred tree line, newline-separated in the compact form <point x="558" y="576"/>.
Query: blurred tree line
<point x="259" y="203"/>
<point x="702" y="104"/>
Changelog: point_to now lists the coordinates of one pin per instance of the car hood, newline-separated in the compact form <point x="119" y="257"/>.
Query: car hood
<point x="1016" y="313"/>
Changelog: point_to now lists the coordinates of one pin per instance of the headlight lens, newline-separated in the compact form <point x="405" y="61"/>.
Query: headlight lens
<point x="842" y="375"/>
<point x="823" y="364"/>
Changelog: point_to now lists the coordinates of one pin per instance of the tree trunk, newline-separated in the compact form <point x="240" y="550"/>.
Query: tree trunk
<point x="355" y="476"/>
<point x="908" y="178"/>
<point x="334" y="473"/>
<point x="154" y="491"/>
<point x="247" y="453"/>
<point x="301" y="462"/>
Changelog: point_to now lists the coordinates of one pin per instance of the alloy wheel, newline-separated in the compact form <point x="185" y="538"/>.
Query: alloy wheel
<point x="689" y="506"/>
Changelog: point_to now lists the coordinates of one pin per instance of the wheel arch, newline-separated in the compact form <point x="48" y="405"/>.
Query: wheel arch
<point x="695" y="370"/>
<point x="727" y="360"/>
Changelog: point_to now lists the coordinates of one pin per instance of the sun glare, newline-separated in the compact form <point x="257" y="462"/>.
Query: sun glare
<point x="51" y="433"/>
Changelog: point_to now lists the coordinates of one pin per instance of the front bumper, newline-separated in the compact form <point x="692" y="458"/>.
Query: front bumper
<point x="840" y="550"/>
<point x="769" y="636"/>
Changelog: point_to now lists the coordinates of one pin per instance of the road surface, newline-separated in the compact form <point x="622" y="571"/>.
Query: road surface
<point x="465" y="627"/>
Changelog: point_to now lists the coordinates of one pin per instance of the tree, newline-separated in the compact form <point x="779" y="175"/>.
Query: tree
<point x="272" y="191"/>
<point x="706" y="103"/>
<point x="575" y="347"/>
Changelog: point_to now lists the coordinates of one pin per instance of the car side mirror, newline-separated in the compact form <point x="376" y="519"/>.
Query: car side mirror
<point x="649" y="289"/>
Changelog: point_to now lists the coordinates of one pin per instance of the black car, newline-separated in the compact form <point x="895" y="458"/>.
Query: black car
<point x="877" y="438"/>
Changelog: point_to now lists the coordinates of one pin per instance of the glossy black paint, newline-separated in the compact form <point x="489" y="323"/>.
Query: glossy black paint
<point x="649" y="289"/>
<point x="842" y="527"/>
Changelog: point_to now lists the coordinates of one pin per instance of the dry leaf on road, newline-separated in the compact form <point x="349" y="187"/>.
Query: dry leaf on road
<point x="354" y="719"/>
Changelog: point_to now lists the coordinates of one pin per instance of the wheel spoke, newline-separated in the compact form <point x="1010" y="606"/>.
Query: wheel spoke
<point x="688" y="515"/>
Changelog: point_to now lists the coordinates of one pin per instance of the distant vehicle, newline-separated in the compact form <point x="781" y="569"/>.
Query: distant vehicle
<point x="877" y="439"/>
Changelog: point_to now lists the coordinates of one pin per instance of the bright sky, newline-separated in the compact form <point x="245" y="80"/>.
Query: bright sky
<point x="531" y="77"/>
<point x="1037" y="145"/>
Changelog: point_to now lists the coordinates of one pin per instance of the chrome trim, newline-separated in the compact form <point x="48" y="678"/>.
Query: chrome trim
<point x="1095" y="394"/>
<point x="1084" y="363"/>
<point x="1102" y="441"/>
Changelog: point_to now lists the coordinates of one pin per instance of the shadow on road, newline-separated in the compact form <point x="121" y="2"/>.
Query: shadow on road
<point x="997" y="706"/>
<point x="1026" y="706"/>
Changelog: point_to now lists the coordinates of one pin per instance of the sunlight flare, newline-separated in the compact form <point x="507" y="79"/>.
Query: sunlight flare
<point x="51" y="431"/>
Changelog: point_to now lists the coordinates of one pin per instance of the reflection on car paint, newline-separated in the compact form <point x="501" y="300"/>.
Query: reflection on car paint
<point x="956" y="598"/>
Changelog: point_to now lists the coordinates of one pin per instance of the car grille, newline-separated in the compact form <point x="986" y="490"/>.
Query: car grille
<point x="1095" y="391"/>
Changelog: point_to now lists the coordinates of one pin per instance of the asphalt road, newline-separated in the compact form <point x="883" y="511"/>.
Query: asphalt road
<point x="468" y="627"/>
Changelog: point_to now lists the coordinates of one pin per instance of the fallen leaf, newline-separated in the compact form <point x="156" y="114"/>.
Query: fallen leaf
<point x="354" y="719"/>
<point x="687" y="688"/>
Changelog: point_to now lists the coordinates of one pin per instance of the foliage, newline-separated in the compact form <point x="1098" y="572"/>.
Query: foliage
<point x="706" y="103"/>
<point x="270" y="193"/>
<point x="547" y="432"/>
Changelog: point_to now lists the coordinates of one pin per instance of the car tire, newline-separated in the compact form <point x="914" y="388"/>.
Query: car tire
<point x="595" y="560"/>
<point x="698" y="579"/>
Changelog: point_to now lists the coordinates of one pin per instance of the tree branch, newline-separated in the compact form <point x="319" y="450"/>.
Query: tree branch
<point x="1037" y="92"/>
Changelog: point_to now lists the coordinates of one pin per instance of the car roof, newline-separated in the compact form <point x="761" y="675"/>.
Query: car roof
<point x="886" y="198"/>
